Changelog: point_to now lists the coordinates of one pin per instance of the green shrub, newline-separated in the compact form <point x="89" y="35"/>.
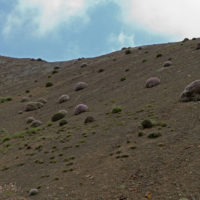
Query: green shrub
<point x="163" y="124"/>
<point x="158" y="55"/>
<point x="140" y="134"/>
<point x="154" y="135"/>
<point x="2" y="100"/>
<point x="63" y="122"/>
<point x="5" y="139"/>
<point x="49" y="123"/>
<point x="147" y="123"/>
<point x="100" y="70"/>
<point x="127" y="51"/>
<point x="57" y="116"/>
<point x="123" y="79"/>
<point x="54" y="71"/>
<point x="49" y="84"/>
<point x="8" y="98"/>
<point x="144" y="60"/>
<point x="116" y="110"/>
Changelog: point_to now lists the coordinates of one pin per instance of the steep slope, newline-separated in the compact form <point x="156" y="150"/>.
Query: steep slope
<point x="113" y="157"/>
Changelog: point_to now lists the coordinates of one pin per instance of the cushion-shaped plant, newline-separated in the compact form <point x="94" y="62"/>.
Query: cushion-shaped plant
<point x="198" y="46"/>
<point x="36" y="123"/>
<point x="62" y="122"/>
<point x="63" y="98"/>
<point x="30" y="106"/>
<point x="80" y="108"/>
<point x="151" y="82"/>
<point x="167" y="63"/>
<point x="89" y="119"/>
<point x="42" y="100"/>
<point x="30" y="119"/>
<point x="127" y="51"/>
<point x="80" y="86"/>
<point x="83" y="65"/>
<point x="49" y="84"/>
<point x="116" y="110"/>
<point x="147" y="123"/>
<point x="154" y="135"/>
<point x="59" y="115"/>
<point x="25" y="99"/>
<point x="191" y="92"/>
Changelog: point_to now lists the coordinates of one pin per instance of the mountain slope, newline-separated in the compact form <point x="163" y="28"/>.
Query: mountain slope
<point x="113" y="157"/>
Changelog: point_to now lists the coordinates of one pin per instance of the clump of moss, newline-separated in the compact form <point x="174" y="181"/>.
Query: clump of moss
<point x="116" y="110"/>
<point x="147" y="123"/>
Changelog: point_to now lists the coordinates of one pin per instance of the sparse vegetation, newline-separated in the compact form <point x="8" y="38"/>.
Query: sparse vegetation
<point x="49" y="84"/>
<point x="158" y="55"/>
<point x="147" y="123"/>
<point x="5" y="99"/>
<point x="140" y="134"/>
<point x="100" y="70"/>
<point x="144" y="60"/>
<point x="62" y="122"/>
<point x="154" y="135"/>
<point x="123" y="79"/>
<point x="128" y="51"/>
<point x="116" y="110"/>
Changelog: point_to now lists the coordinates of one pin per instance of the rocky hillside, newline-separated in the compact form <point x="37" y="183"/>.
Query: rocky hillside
<point x="122" y="126"/>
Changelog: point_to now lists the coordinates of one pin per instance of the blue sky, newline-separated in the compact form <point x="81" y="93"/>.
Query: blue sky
<point x="67" y="29"/>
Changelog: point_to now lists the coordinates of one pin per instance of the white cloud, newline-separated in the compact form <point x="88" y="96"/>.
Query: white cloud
<point x="46" y="15"/>
<point x="178" y="18"/>
<point x="121" y="40"/>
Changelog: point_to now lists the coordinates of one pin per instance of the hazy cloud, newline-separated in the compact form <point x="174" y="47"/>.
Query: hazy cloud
<point x="46" y="15"/>
<point x="121" y="40"/>
<point x="178" y="18"/>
